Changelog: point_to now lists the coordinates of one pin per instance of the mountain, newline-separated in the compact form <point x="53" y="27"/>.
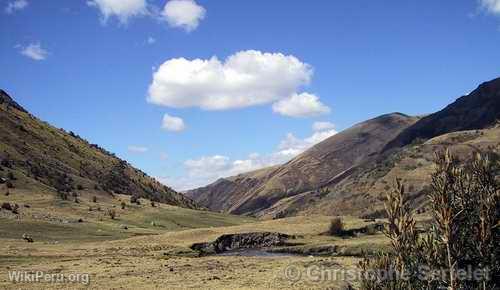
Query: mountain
<point x="348" y="173"/>
<point x="477" y="110"/>
<point x="254" y="192"/>
<point x="38" y="156"/>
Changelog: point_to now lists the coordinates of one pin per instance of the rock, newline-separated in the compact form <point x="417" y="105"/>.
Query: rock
<point x="231" y="242"/>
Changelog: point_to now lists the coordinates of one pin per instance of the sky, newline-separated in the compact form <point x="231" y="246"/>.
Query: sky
<point x="193" y="90"/>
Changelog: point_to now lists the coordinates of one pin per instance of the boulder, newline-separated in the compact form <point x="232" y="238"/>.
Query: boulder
<point x="232" y="242"/>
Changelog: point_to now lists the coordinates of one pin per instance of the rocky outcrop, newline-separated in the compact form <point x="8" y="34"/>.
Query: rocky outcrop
<point x="231" y="242"/>
<point x="6" y="99"/>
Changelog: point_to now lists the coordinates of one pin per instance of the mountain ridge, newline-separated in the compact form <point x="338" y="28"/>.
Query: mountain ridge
<point x="347" y="170"/>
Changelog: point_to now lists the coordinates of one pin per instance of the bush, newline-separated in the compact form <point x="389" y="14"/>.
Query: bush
<point x="62" y="195"/>
<point x="153" y="204"/>
<point x="94" y="199"/>
<point x="123" y="205"/>
<point x="464" y="233"/>
<point x="9" y="184"/>
<point x="112" y="213"/>
<point x="80" y="187"/>
<point x="336" y="227"/>
<point x="11" y="176"/>
<point x="6" y="206"/>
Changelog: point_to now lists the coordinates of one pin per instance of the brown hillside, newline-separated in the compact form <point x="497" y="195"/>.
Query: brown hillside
<point x="39" y="155"/>
<point x="256" y="191"/>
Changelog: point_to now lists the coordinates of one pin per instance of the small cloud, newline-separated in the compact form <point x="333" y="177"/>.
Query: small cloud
<point x="207" y="169"/>
<point x="122" y="9"/>
<point x="492" y="6"/>
<point x="163" y="156"/>
<point x="171" y="123"/>
<point x="151" y="40"/>
<point x="185" y="14"/>
<point x="137" y="149"/>
<point x="34" y="51"/>
<point x="321" y="126"/>
<point x="301" y="105"/>
<point x="16" y="5"/>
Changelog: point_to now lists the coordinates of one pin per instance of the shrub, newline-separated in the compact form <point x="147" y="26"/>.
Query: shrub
<point x="153" y="203"/>
<point x="80" y="187"/>
<point x="112" y="213"/>
<point x="134" y="199"/>
<point x="6" y="206"/>
<point x="11" y="176"/>
<point x="94" y="199"/>
<point x="123" y="205"/>
<point x="62" y="195"/>
<point x="336" y="227"/>
<point x="15" y="209"/>
<point x="464" y="234"/>
<point x="9" y="184"/>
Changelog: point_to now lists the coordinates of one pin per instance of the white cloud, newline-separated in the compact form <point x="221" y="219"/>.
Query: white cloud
<point x="151" y="40"/>
<point x="171" y="123"/>
<point x="492" y="6"/>
<point x="321" y="126"/>
<point x="16" y="5"/>
<point x="34" y="51"/>
<point x="207" y="169"/>
<point x="122" y="9"/>
<point x="185" y="14"/>
<point x="137" y="149"/>
<point x="301" y="105"/>
<point x="247" y="78"/>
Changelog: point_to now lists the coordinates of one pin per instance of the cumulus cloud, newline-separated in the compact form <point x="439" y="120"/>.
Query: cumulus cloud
<point x="207" y="169"/>
<point x="171" y="123"/>
<point x="122" y="9"/>
<point x="34" y="51"/>
<point x="247" y="78"/>
<point x="185" y="14"/>
<point x="137" y="149"/>
<point x="492" y="6"/>
<point x="301" y="105"/>
<point x="15" y="6"/>
<point x="151" y="40"/>
<point x="321" y="126"/>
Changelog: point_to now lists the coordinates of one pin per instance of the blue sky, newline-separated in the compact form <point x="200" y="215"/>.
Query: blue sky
<point x="192" y="91"/>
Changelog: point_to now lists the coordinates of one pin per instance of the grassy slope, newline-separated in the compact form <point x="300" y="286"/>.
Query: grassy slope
<point x="362" y="193"/>
<point x="45" y="158"/>
<point x="50" y="219"/>
<point x="256" y="192"/>
<point x="165" y="260"/>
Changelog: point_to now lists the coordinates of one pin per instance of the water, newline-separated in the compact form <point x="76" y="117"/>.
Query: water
<point x="255" y="253"/>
